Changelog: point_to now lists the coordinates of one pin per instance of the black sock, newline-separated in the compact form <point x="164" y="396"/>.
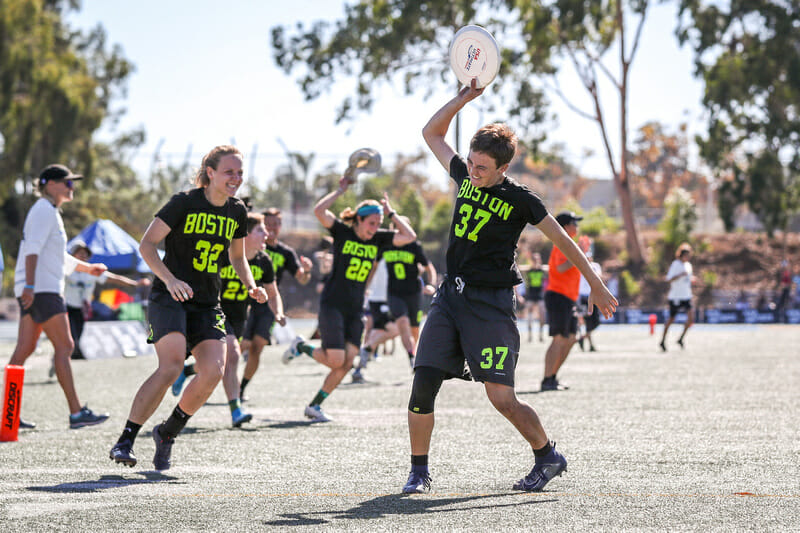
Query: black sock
<point x="130" y="432"/>
<point x="245" y="381"/>
<point x="419" y="464"/>
<point x="188" y="370"/>
<point x="175" y="423"/>
<point x="543" y="451"/>
<point x="419" y="460"/>
<point x="319" y="398"/>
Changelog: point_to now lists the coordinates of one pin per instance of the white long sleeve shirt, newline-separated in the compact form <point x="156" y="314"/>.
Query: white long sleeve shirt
<point x="43" y="234"/>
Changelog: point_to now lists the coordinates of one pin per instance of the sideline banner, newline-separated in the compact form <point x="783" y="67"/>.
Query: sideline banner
<point x="12" y="399"/>
<point x="114" y="338"/>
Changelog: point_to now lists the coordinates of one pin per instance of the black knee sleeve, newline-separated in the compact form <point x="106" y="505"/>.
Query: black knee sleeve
<point x="427" y="382"/>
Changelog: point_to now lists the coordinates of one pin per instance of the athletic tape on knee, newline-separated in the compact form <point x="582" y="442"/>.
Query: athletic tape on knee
<point x="427" y="382"/>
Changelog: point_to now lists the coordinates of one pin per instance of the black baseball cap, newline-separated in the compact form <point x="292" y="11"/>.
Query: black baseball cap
<point x="568" y="217"/>
<point x="57" y="172"/>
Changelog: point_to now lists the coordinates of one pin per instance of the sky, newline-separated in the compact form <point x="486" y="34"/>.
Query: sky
<point x="205" y="76"/>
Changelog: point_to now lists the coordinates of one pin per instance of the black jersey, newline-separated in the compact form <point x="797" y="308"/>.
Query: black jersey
<point x="487" y="223"/>
<point x="234" y="296"/>
<point x="534" y="278"/>
<point x="353" y="260"/>
<point x="284" y="258"/>
<point x="200" y="236"/>
<point x="401" y="264"/>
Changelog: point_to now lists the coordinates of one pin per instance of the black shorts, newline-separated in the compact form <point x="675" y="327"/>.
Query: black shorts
<point x="379" y="311"/>
<point x="590" y="320"/>
<point x="259" y="322"/>
<point x="533" y="294"/>
<point x="676" y="306"/>
<point x="562" y="314"/>
<point x="45" y="306"/>
<point x="478" y="325"/>
<point x="196" y="323"/>
<point x="409" y="305"/>
<point x="338" y="327"/>
<point x="234" y="326"/>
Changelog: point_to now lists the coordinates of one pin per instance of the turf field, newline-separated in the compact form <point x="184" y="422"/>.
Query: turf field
<point x="706" y="438"/>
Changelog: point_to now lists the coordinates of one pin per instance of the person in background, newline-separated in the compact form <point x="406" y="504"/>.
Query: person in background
<point x="590" y="320"/>
<point x="42" y="266"/>
<point x="561" y="299"/>
<point x="680" y="277"/>
<point x="380" y="325"/>
<point x="357" y="241"/>
<point x="404" y="265"/>
<point x="79" y="292"/>
<point x="261" y="318"/>
<point x="235" y="302"/>
<point x="535" y="274"/>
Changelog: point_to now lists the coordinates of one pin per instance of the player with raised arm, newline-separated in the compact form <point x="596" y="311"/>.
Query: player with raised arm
<point x="472" y="317"/>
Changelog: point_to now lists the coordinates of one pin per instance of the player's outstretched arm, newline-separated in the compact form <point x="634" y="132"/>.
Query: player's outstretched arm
<point x="600" y="295"/>
<point x="435" y="130"/>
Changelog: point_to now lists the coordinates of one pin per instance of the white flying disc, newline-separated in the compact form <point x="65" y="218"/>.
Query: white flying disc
<point x="474" y="54"/>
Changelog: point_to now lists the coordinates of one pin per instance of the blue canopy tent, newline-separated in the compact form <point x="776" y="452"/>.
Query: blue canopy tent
<point x="112" y="246"/>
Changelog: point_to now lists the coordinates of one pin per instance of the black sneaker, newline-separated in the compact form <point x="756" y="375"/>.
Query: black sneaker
<point x="161" y="460"/>
<point x="122" y="452"/>
<point x="580" y="343"/>
<point x="680" y="343"/>
<point x="552" y="383"/>
<point x="86" y="417"/>
<point x="545" y="469"/>
<point x="26" y="425"/>
<point x="663" y="346"/>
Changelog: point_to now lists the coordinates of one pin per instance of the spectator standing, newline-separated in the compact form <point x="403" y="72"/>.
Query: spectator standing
<point x="42" y="265"/>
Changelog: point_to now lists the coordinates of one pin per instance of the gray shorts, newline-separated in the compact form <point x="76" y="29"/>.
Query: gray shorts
<point x="45" y="306"/>
<point x="478" y="325"/>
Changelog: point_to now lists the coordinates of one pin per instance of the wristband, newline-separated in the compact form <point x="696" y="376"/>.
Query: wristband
<point x="30" y="286"/>
<point x="391" y="214"/>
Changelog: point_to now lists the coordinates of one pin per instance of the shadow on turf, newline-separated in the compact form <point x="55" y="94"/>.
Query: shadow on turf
<point x="399" y="504"/>
<point x="105" y="482"/>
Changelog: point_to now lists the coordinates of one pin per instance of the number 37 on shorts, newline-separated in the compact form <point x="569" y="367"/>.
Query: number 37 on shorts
<point x="494" y="357"/>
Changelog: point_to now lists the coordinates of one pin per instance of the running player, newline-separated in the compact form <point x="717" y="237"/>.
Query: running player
<point x="405" y="289"/>
<point x="680" y="277"/>
<point x="197" y="227"/>
<point x="235" y="302"/>
<point x="357" y="240"/>
<point x="472" y="317"/>
<point x="259" y="323"/>
<point x="380" y="325"/>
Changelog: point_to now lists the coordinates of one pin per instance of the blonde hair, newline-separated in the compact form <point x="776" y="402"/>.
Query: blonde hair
<point x="211" y="159"/>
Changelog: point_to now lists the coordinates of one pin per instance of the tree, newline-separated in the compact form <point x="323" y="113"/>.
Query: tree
<point x="749" y="57"/>
<point x="660" y="160"/>
<point x="380" y="41"/>
<point x="56" y="88"/>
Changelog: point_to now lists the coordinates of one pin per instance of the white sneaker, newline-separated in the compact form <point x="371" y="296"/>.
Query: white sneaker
<point x="291" y="352"/>
<point x="316" y="414"/>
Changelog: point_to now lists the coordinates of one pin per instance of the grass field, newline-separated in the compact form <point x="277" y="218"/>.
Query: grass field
<point x="706" y="438"/>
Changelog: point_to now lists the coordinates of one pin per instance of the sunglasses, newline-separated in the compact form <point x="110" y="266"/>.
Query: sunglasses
<point x="69" y="183"/>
